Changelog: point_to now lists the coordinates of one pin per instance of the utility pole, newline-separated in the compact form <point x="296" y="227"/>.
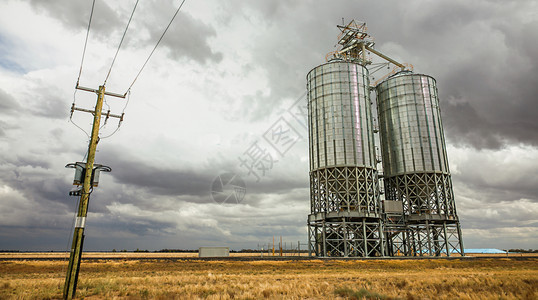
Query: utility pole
<point x="71" y="278"/>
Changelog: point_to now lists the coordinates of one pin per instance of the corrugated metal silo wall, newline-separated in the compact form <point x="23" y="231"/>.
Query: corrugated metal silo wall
<point x="415" y="163"/>
<point x="342" y="155"/>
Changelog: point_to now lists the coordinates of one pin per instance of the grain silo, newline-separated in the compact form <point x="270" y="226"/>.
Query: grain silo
<point x="415" y="164"/>
<point x="345" y="218"/>
<point x="348" y="216"/>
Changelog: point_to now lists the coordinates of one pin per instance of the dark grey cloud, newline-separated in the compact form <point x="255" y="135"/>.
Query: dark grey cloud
<point x="157" y="179"/>
<point x="288" y="44"/>
<point x="498" y="177"/>
<point x="139" y="226"/>
<point x="8" y="106"/>
<point x="481" y="53"/>
<point x="49" y="103"/>
<point x="505" y="224"/>
<point x="476" y="52"/>
<point x="7" y="103"/>
<point x="508" y="191"/>
<point x="35" y="179"/>
<point x="46" y="102"/>
<point x="31" y="161"/>
<point x="188" y="183"/>
<point x="33" y="238"/>
<point x="490" y="113"/>
<point x="188" y="37"/>
<point x="501" y="106"/>
<point x="278" y="185"/>
<point x="31" y="221"/>
<point x="34" y="173"/>
<point x="76" y="14"/>
<point x="163" y="181"/>
<point x="498" y="217"/>
<point x="193" y="224"/>
<point x="467" y="126"/>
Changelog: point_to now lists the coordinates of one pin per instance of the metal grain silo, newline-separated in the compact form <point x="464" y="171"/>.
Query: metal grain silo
<point x="345" y="217"/>
<point x="415" y="163"/>
<point x="341" y="117"/>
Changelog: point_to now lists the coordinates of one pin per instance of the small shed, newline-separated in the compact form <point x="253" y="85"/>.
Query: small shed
<point x="213" y="252"/>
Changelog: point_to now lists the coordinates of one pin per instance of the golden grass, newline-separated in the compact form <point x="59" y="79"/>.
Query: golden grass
<point x="126" y="255"/>
<point x="158" y="255"/>
<point x="503" y="278"/>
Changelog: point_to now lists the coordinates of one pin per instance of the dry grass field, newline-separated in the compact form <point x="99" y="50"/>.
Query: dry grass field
<point x="484" y="278"/>
<point x="115" y="255"/>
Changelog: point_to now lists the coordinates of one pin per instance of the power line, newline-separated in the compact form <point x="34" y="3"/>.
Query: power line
<point x="80" y="71"/>
<point x="71" y="116"/>
<point x="86" y="42"/>
<point x="73" y="108"/>
<point x="119" y="46"/>
<point x="164" y="32"/>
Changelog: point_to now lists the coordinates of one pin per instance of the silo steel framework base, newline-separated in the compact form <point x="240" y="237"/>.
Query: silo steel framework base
<point x="424" y="239"/>
<point x="430" y="225"/>
<point x="344" y="188"/>
<point x="434" y="239"/>
<point x="346" y="238"/>
<point x="345" y="219"/>
<point x="395" y="235"/>
<point x="423" y="193"/>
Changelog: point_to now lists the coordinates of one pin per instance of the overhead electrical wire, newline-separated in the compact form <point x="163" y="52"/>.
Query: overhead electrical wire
<point x="80" y="71"/>
<point x="71" y="117"/>
<point x="109" y="71"/>
<point x="114" y="59"/>
<point x="164" y="32"/>
<point x="122" y="113"/>
<point x="86" y="42"/>
<point x="119" y="46"/>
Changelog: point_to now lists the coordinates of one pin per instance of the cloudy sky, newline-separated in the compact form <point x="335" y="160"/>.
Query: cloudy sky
<point x="224" y="76"/>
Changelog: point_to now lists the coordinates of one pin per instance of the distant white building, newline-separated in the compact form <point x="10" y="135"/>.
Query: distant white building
<point x="213" y="252"/>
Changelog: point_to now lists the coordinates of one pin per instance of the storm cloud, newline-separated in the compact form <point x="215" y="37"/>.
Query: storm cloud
<point x="222" y="76"/>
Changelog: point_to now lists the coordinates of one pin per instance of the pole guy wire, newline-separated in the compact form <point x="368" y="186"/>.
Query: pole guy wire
<point x="164" y="32"/>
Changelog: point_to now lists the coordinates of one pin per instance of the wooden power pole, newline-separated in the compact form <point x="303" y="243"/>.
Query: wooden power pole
<point x="78" y="233"/>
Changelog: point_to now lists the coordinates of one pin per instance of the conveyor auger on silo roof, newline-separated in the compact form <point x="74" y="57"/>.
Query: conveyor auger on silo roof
<point x="356" y="44"/>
